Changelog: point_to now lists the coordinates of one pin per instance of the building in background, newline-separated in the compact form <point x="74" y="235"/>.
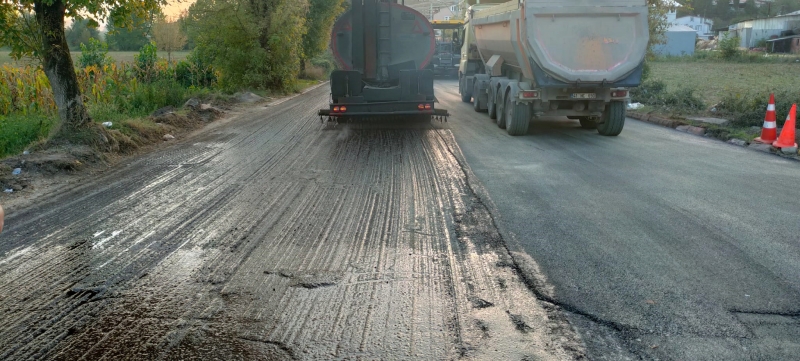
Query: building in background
<point x="701" y="25"/>
<point x="751" y="32"/>
<point x="680" y="41"/>
<point x="437" y="9"/>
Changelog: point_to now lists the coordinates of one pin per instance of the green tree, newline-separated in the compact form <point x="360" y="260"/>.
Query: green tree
<point x="80" y="32"/>
<point x="320" y="18"/>
<point x="253" y="43"/>
<point x="94" y="53"/>
<point x="168" y="36"/>
<point x="129" y="38"/>
<point x="52" y="49"/>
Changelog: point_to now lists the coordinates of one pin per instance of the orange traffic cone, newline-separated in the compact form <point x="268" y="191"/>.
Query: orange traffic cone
<point x="786" y="140"/>
<point x="769" y="132"/>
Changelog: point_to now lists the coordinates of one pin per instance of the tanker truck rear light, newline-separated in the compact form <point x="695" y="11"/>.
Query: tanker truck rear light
<point x="421" y="107"/>
<point x="427" y="107"/>
<point x="529" y="94"/>
<point x="336" y="109"/>
<point x="343" y="109"/>
<point x="619" y="93"/>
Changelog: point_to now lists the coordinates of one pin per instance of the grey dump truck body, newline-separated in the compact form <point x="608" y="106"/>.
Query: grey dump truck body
<point x="384" y="50"/>
<point x="577" y="58"/>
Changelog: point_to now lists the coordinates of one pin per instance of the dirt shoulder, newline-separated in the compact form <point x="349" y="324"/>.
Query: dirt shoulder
<point x="43" y="173"/>
<point x="716" y="128"/>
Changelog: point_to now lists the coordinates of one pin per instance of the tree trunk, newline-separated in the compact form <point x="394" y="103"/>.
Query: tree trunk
<point x="58" y="64"/>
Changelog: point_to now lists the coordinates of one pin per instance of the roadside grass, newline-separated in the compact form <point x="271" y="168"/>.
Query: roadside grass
<point x="713" y="81"/>
<point x="113" y="94"/>
<point x="735" y="90"/>
<point x="18" y="131"/>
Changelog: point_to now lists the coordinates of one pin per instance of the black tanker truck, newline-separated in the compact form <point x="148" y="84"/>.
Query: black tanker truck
<point x="384" y="50"/>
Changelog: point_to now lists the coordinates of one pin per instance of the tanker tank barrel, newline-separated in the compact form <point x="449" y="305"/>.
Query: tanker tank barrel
<point x="384" y="50"/>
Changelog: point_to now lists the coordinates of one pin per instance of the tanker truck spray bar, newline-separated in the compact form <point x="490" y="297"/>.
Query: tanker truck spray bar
<point x="384" y="50"/>
<point x="526" y="59"/>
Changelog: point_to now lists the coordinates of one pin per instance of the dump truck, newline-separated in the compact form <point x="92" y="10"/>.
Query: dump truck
<point x="526" y="59"/>
<point x="384" y="50"/>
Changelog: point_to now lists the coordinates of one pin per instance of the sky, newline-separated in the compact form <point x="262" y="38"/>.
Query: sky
<point x="175" y="7"/>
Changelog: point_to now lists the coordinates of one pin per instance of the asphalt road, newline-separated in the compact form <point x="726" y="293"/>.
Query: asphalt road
<point x="268" y="237"/>
<point x="660" y="244"/>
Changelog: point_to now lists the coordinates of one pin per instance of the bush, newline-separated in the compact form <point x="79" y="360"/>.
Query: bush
<point x="729" y="46"/>
<point x="649" y="92"/>
<point x="149" y="97"/>
<point x="146" y="61"/>
<point x="94" y="54"/>
<point x="312" y="72"/>
<point x="326" y="62"/>
<point x="195" y="71"/>
<point x="747" y="108"/>
<point x="654" y="93"/>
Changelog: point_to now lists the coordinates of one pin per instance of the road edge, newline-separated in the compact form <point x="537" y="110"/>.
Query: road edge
<point x="699" y="130"/>
<point x="523" y="265"/>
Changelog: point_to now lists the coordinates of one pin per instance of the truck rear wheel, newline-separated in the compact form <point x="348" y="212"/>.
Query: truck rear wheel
<point x="462" y="86"/>
<point x="613" y="119"/>
<point x="491" y="106"/>
<point x="501" y="114"/>
<point x="518" y="117"/>
<point x="476" y="100"/>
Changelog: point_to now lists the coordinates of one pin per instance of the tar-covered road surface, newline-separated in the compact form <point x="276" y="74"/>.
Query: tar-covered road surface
<point x="662" y="245"/>
<point x="268" y="237"/>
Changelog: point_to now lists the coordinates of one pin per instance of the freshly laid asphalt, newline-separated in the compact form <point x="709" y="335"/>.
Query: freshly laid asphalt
<point x="659" y="244"/>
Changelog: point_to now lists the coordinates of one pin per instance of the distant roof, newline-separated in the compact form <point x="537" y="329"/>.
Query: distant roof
<point x="695" y="16"/>
<point x="784" y="38"/>
<point x="680" y="28"/>
<point x="791" y="13"/>
<point x="671" y="3"/>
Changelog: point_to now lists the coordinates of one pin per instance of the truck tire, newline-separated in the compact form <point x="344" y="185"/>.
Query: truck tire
<point x="613" y="119"/>
<point x="517" y="116"/>
<point x="491" y="107"/>
<point x="501" y="114"/>
<point x="476" y="100"/>
<point x="465" y="95"/>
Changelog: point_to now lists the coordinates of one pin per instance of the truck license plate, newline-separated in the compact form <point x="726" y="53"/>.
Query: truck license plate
<point x="583" y="95"/>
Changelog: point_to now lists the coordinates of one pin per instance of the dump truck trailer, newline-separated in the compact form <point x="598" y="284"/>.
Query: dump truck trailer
<point x="527" y="59"/>
<point x="384" y="50"/>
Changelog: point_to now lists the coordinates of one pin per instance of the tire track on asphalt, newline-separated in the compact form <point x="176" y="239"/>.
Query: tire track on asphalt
<point x="272" y="238"/>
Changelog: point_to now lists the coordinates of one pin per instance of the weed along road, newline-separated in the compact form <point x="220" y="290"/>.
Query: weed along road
<point x="269" y="237"/>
